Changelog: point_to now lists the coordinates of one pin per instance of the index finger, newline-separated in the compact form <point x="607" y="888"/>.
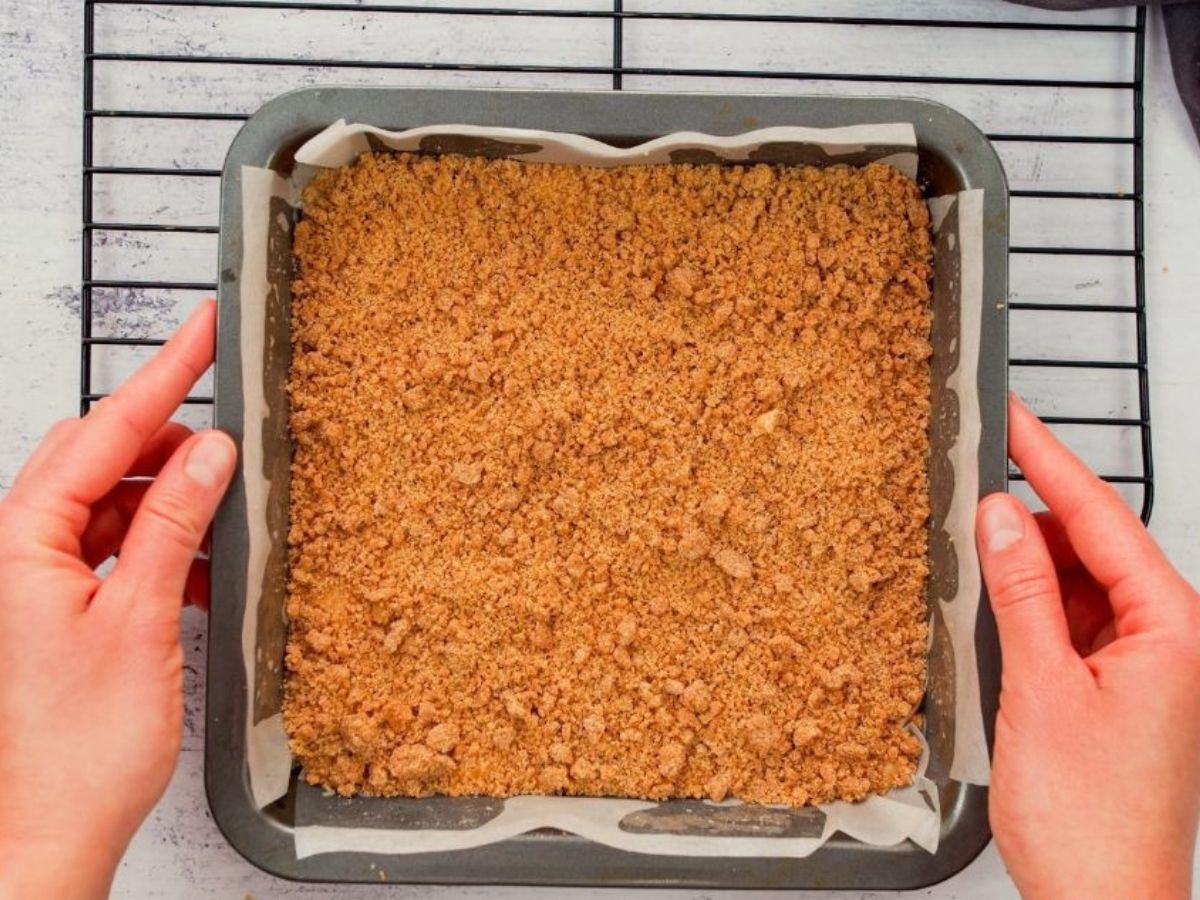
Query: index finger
<point x="105" y="443"/>
<point x="1106" y="535"/>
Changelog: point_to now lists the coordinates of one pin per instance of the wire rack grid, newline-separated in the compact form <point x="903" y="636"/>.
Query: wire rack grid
<point x="166" y="84"/>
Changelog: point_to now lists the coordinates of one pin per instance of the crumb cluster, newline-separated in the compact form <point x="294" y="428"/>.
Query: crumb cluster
<point x="608" y="481"/>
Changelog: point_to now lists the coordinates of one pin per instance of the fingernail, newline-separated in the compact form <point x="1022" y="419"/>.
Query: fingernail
<point x="1000" y="524"/>
<point x="200" y="309"/>
<point x="210" y="461"/>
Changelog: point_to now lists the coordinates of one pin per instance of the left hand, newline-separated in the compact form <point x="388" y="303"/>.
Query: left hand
<point x="91" y="670"/>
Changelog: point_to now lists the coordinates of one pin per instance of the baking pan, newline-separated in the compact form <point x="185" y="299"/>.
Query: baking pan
<point x="953" y="156"/>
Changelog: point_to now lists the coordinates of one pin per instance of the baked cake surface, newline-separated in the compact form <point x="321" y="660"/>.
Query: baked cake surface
<point x="608" y="482"/>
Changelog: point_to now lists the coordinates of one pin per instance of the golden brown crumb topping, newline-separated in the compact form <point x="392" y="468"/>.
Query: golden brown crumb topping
<point x="608" y="481"/>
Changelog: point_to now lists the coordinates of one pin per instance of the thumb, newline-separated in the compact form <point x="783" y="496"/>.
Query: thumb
<point x="1024" y="590"/>
<point x="166" y="531"/>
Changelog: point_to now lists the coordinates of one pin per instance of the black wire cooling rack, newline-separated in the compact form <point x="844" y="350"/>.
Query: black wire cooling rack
<point x="165" y="85"/>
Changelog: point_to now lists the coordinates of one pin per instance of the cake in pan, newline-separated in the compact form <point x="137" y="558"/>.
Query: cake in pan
<point x="609" y="482"/>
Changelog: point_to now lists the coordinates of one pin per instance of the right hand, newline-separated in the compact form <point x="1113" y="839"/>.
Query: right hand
<point x="1096" y="779"/>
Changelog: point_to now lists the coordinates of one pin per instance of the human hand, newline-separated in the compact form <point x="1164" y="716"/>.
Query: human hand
<point x="1096" y="778"/>
<point x="91" y="671"/>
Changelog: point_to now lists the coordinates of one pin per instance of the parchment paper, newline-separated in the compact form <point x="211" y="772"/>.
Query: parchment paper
<point x="955" y="731"/>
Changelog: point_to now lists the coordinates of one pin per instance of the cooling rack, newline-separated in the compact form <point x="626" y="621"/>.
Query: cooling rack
<point x="167" y="84"/>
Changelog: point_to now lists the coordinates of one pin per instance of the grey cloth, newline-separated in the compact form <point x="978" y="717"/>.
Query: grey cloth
<point x="1182" y="21"/>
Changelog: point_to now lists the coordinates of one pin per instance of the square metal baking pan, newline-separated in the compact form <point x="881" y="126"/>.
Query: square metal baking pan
<point x="953" y="155"/>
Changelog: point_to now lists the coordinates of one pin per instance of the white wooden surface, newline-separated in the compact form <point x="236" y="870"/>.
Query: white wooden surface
<point x="179" y="853"/>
